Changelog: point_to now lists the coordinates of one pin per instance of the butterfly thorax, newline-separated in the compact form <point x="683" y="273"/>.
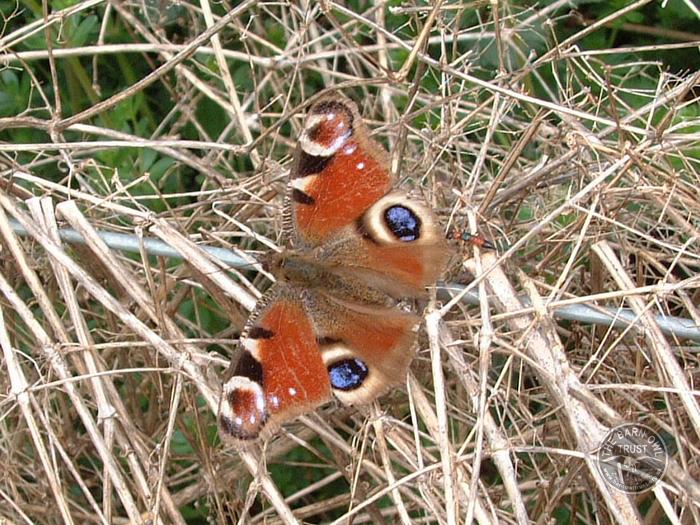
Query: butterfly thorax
<point x="303" y="270"/>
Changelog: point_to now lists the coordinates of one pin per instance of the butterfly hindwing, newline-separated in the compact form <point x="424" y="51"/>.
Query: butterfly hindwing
<point x="395" y="246"/>
<point x="366" y="349"/>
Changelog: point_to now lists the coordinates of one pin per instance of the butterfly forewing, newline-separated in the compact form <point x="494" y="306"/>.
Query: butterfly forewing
<point x="280" y="372"/>
<point x="338" y="173"/>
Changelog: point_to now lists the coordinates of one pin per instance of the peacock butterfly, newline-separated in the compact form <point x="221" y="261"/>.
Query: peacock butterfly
<point x="332" y="325"/>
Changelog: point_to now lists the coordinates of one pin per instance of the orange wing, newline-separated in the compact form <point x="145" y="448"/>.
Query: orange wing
<point x="279" y="375"/>
<point x="338" y="172"/>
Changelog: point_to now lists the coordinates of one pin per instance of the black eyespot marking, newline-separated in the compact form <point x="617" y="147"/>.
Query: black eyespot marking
<point x="241" y="432"/>
<point x="258" y="332"/>
<point x="300" y="197"/>
<point x="403" y="223"/>
<point x="348" y="374"/>
<point x="248" y="366"/>
<point x="309" y="164"/>
<point x="248" y="418"/>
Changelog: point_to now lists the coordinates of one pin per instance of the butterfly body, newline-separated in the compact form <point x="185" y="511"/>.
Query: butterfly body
<point x="308" y="271"/>
<point x="334" y="324"/>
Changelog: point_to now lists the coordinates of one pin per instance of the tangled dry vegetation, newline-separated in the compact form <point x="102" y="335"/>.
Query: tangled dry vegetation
<point x="581" y="165"/>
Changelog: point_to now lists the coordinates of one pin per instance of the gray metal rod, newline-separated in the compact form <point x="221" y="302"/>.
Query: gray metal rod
<point x="127" y="242"/>
<point x="604" y="316"/>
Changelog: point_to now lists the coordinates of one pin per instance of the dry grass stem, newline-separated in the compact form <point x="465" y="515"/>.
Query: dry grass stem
<point x="178" y="120"/>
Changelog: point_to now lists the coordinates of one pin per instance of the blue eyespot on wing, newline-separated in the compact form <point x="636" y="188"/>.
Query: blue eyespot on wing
<point x="347" y="374"/>
<point x="403" y="223"/>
